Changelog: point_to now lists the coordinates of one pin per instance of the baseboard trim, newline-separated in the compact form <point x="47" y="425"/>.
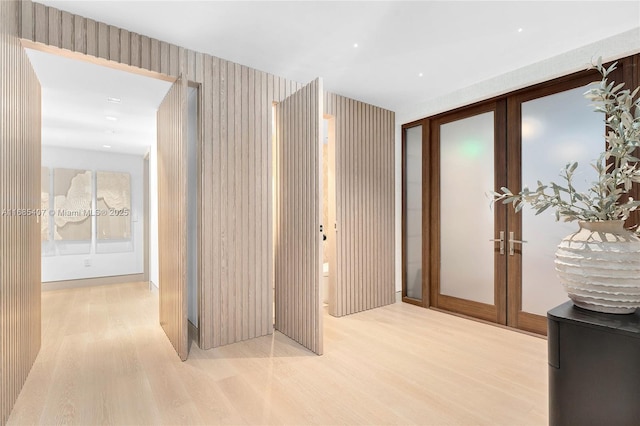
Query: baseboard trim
<point x="90" y="282"/>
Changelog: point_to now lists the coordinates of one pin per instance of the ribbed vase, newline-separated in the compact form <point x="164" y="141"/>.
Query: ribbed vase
<point x="599" y="267"/>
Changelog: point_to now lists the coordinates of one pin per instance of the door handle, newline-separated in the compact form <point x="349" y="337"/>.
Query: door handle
<point x="501" y="241"/>
<point x="512" y="243"/>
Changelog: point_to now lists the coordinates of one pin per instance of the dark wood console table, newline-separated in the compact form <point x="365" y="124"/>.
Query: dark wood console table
<point x="594" y="367"/>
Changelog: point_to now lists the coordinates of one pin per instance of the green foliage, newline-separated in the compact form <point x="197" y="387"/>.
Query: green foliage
<point x="617" y="168"/>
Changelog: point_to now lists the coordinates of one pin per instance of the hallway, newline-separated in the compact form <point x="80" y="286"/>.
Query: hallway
<point x="106" y="360"/>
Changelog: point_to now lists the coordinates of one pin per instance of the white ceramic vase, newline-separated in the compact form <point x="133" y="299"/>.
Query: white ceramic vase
<point x="599" y="267"/>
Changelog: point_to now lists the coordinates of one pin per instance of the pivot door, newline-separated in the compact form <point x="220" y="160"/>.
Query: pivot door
<point x="298" y="240"/>
<point x="172" y="215"/>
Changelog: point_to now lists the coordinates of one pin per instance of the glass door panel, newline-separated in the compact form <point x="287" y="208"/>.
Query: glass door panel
<point x="496" y="264"/>
<point x="556" y="129"/>
<point x="466" y="221"/>
<point x="413" y="213"/>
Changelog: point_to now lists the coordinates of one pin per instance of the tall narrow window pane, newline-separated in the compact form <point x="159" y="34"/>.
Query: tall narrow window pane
<point x="413" y="237"/>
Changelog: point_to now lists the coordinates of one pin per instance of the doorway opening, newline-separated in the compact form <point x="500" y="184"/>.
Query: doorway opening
<point x="98" y="125"/>
<point x="328" y="226"/>
<point x="100" y="184"/>
<point x="328" y="214"/>
<point x="193" y="190"/>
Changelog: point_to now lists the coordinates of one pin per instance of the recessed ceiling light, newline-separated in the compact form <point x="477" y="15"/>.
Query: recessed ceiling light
<point x="111" y="118"/>
<point x="355" y="44"/>
<point x="420" y="74"/>
<point x="519" y="30"/>
<point x="106" y="146"/>
<point x="113" y="100"/>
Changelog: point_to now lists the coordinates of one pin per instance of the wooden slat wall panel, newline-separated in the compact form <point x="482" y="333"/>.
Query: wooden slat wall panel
<point x="114" y="44"/>
<point x="19" y="189"/>
<point x="233" y="143"/>
<point x="67" y="31"/>
<point x="239" y="221"/>
<point x="103" y="40"/>
<point x="172" y="215"/>
<point x="125" y="47"/>
<point x="364" y="205"/>
<point x="91" y="37"/>
<point x="134" y="49"/>
<point x="297" y="248"/>
<point x="41" y="24"/>
<point x="79" y="34"/>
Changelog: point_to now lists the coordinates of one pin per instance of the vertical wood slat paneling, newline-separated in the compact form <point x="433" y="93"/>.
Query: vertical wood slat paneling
<point x="79" y="34"/>
<point x="41" y="24"/>
<point x="297" y="251"/>
<point x="115" y="47"/>
<point x="26" y="20"/>
<point x="134" y="50"/>
<point x="67" y="36"/>
<point x="145" y="52"/>
<point x="172" y="200"/>
<point x="164" y="58"/>
<point x="91" y="35"/>
<point x="155" y="55"/>
<point x="221" y="245"/>
<point x="221" y="322"/>
<point x="54" y="27"/>
<point x="237" y="192"/>
<point x="249" y="169"/>
<point x="232" y="284"/>
<point x="125" y="47"/>
<point x="103" y="40"/>
<point x="209" y="221"/>
<point x="364" y="158"/>
<point x="268" y="296"/>
<point x="19" y="189"/>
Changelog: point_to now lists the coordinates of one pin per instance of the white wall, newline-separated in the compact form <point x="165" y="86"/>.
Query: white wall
<point x="123" y="258"/>
<point x="615" y="47"/>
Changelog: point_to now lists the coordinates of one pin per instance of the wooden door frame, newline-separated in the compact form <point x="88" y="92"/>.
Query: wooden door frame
<point x="628" y="71"/>
<point x="426" y="205"/>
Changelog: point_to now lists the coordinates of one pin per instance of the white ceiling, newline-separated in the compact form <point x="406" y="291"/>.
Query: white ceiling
<point x="75" y="106"/>
<point x="453" y="44"/>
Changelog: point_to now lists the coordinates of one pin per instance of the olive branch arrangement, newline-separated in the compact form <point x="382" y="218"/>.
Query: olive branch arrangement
<point x="617" y="167"/>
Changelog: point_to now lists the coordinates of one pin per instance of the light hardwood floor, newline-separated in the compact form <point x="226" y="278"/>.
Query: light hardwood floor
<point x="105" y="360"/>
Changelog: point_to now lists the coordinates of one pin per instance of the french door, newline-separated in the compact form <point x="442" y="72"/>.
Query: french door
<point x="468" y="159"/>
<point x="459" y="253"/>
<point x="548" y="128"/>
